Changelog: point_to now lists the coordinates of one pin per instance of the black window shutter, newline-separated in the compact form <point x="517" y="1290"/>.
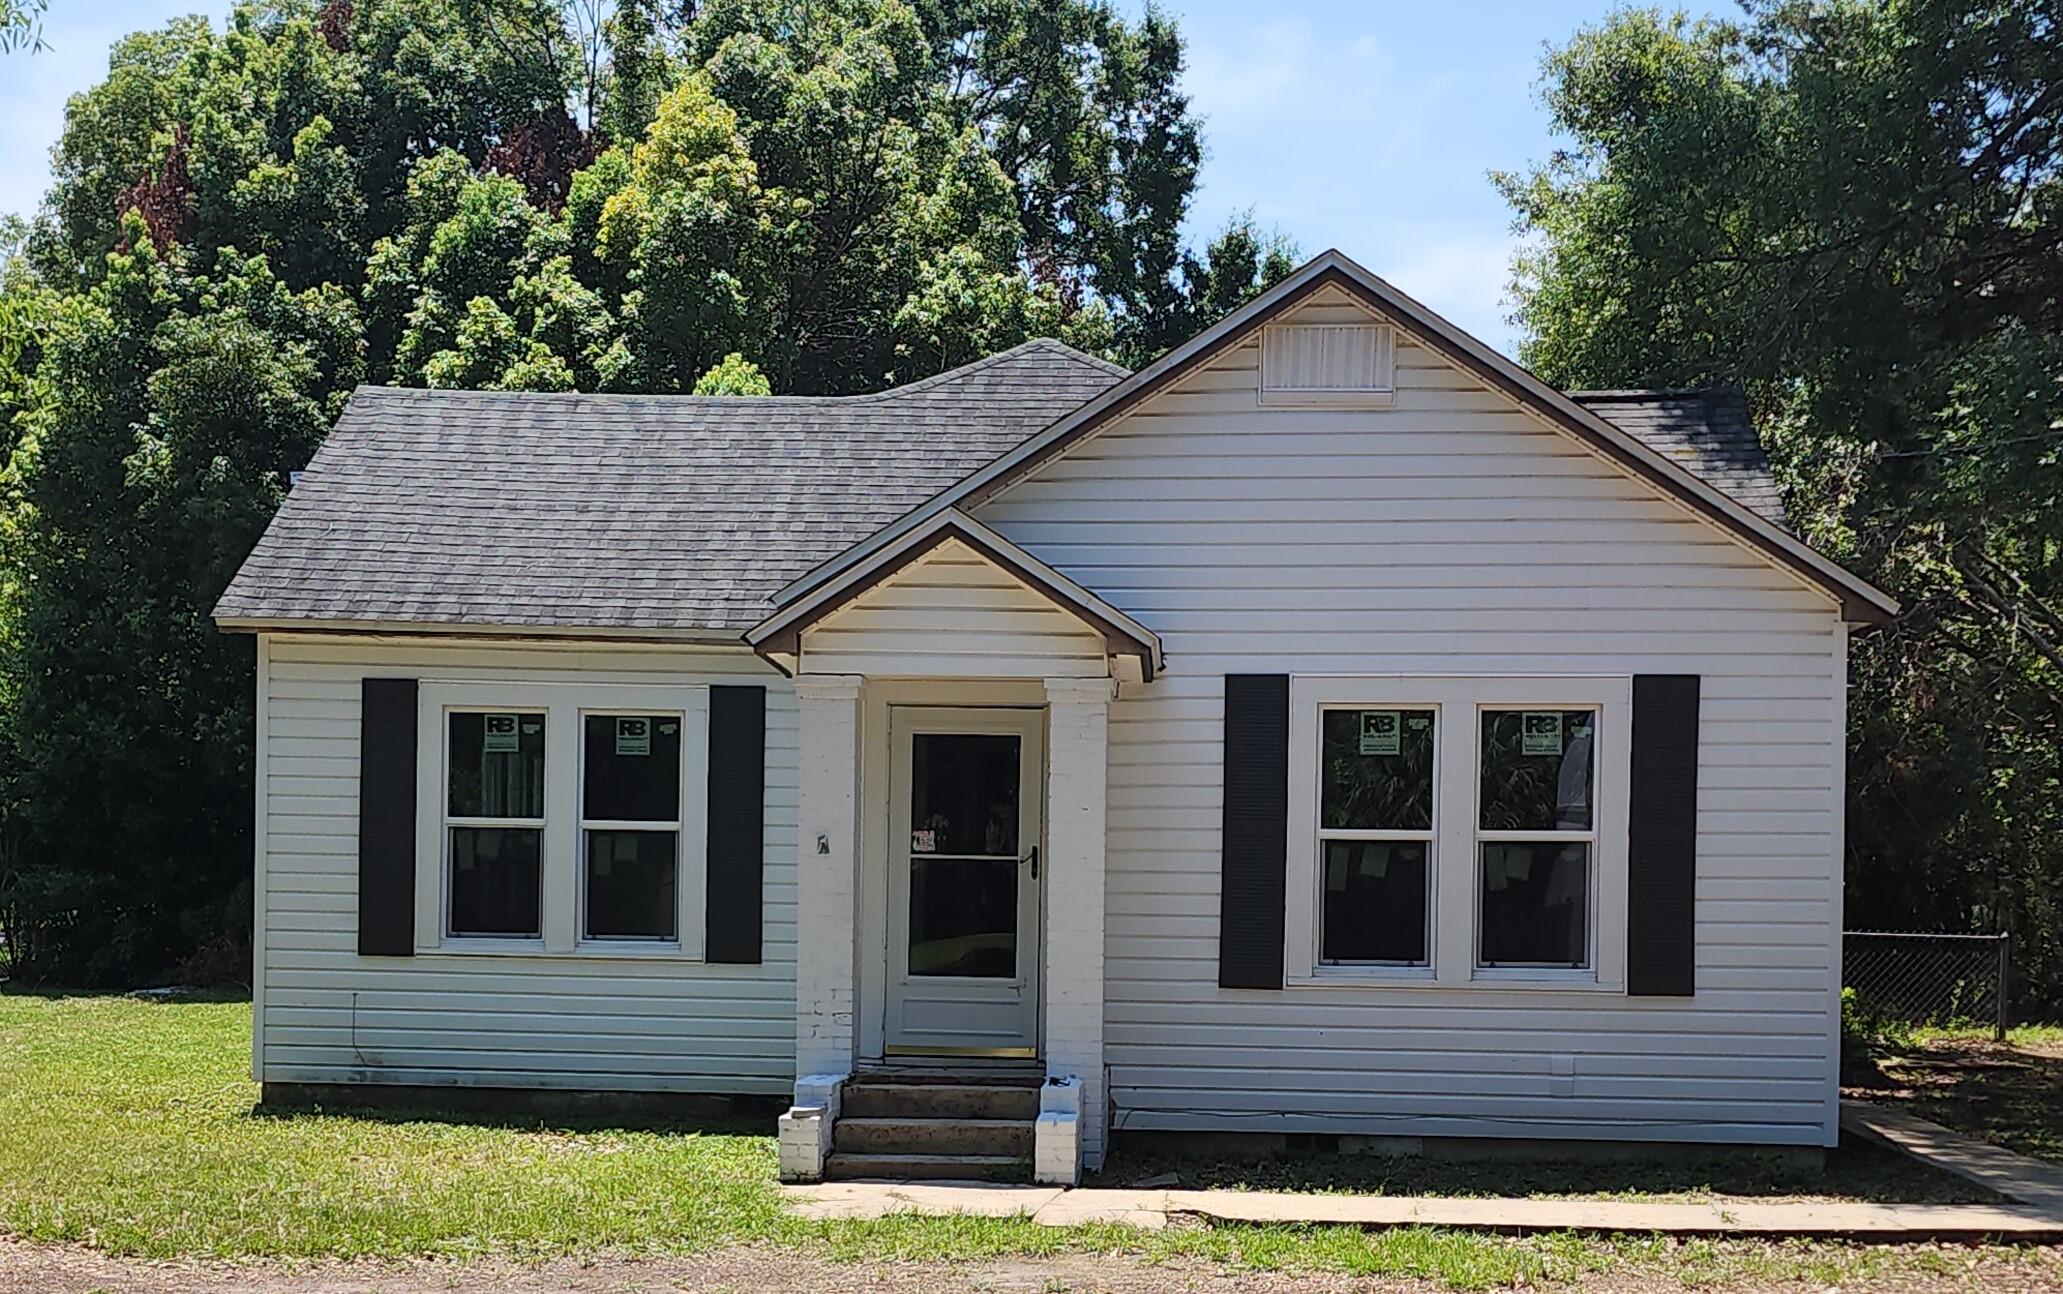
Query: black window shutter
<point x="1256" y="830"/>
<point x="1662" y="852"/>
<point x="737" y="818"/>
<point x="386" y="817"/>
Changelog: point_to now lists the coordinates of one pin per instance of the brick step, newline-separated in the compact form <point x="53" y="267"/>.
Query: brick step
<point x="933" y="1136"/>
<point x="845" y="1167"/>
<point x="876" y="1100"/>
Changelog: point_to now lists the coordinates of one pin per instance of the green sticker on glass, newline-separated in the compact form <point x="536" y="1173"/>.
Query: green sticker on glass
<point x="1541" y="733"/>
<point x="1381" y="732"/>
<point x="633" y="736"/>
<point x="500" y="734"/>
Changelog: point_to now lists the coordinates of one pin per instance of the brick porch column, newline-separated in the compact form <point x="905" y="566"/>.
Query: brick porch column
<point x="1077" y="792"/>
<point x="826" y="898"/>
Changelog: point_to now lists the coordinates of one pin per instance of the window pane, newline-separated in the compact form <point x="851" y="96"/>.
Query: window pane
<point x="963" y="917"/>
<point x="1375" y="908"/>
<point x="497" y="765"/>
<point x="494" y="881"/>
<point x="633" y="768"/>
<point x="1378" y="769"/>
<point x="1537" y="769"/>
<point x="1536" y="902"/>
<point x="963" y="793"/>
<point x="630" y="885"/>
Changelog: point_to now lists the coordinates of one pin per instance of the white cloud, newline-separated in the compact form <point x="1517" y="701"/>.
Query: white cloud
<point x="1285" y="74"/>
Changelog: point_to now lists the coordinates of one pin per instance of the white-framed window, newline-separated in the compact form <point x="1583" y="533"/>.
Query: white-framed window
<point x="1461" y="852"/>
<point x="494" y="823"/>
<point x="1536" y="834"/>
<point x="1378" y="812"/>
<point x="630" y="809"/>
<point x="586" y="836"/>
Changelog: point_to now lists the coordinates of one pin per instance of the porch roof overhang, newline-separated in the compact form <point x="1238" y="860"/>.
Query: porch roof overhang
<point x="778" y="638"/>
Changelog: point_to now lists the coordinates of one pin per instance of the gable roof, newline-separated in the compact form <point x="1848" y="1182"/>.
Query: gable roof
<point x="780" y="633"/>
<point x="694" y="518"/>
<point x="1860" y="601"/>
<point x="672" y="516"/>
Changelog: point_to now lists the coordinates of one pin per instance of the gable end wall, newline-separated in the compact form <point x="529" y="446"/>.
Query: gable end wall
<point x="1448" y="533"/>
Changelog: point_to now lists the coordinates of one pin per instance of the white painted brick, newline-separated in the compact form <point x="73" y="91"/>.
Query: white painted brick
<point x="1076" y="795"/>
<point x="1056" y="1150"/>
<point x="827" y="847"/>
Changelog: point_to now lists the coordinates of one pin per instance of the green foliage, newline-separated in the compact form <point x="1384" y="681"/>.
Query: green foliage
<point x="21" y="24"/>
<point x="492" y="193"/>
<point x="1855" y="210"/>
<point x="734" y="375"/>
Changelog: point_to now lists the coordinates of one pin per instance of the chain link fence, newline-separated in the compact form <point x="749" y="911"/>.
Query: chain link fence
<point x="1907" y="978"/>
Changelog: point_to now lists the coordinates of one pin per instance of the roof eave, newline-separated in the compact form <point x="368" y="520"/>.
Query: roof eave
<point x="689" y="637"/>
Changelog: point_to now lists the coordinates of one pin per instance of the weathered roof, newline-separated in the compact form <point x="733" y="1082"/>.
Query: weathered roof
<point x="1706" y="431"/>
<point x="681" y="515"/>
<point x="622" y="512"/>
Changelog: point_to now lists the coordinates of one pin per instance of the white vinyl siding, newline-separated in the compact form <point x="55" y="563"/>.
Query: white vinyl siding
<point x="590" y="1020"/>
<point x="954" y="614"/>
<point x="1448" y="533"/>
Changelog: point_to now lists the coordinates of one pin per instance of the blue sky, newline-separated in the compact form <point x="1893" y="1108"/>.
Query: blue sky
<point x="1367" y="125"/>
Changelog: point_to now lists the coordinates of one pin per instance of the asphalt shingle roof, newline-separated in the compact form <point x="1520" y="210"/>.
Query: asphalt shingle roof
<point x="679" y="513"/>
<point x="623" y="512"/>
<point x="1707" y="432"/>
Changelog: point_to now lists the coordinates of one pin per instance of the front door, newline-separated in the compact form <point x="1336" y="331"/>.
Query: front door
<point x="965" y="827"/>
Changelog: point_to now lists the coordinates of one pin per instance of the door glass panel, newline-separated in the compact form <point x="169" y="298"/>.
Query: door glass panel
<point x="963" y="916"/>
<point x="963" y="794"/>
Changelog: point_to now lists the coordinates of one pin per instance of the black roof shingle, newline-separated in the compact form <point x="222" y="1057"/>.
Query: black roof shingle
<point x="683" y="514"/>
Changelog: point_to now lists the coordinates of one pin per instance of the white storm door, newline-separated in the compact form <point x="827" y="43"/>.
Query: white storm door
<point x="966" y="824"/>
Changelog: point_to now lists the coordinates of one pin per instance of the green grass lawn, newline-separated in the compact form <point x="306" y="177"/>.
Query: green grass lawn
<point x="130" y="1126"/>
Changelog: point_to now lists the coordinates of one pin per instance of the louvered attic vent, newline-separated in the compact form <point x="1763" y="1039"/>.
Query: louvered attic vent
<point x="1328" y="364"/>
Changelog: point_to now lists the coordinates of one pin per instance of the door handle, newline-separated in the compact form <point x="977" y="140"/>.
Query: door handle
<point x="1032" y="859"/>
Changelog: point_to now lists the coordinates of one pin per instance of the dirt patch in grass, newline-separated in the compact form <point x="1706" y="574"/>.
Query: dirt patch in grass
<point x="1728" y="1267"/>
<point x="1856" y="1170"/>
<point x="2010" y="1093"/>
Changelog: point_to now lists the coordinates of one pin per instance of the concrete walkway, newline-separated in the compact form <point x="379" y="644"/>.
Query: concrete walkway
<point x="1052" y="1206"/>
<point x="2012" y="1176"/>
<point x="2034" y="1189"/>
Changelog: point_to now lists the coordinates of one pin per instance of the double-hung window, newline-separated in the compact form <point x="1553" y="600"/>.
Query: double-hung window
<point x="630" y="808"/>
<point x="494" y="823"/>
<point x="1536" y="833"/>
<point x="1376" y="814"/>
<point x="562" y="818"/>
<point x="1458" y="830"/>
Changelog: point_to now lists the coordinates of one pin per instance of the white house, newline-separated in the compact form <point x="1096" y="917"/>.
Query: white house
<point x="1328" y="728"/>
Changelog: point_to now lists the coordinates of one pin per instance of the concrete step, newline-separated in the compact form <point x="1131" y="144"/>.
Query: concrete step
<point x="875" y="1100"/>
<point x="933" y="1136"/>
<point x="843" y="1167"/>
<point x="1011" y="1075"/>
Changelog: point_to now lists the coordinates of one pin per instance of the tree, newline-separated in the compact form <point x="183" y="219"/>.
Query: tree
<point x="21" y="24"/>
<point x="734" y="375"/>
<point x="1856" y="210"/>
<point x="734" y="197"/>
